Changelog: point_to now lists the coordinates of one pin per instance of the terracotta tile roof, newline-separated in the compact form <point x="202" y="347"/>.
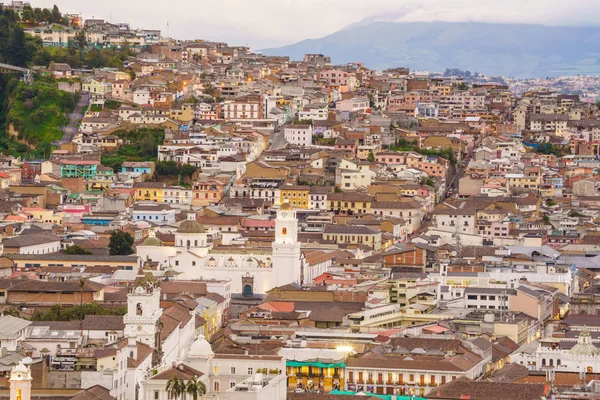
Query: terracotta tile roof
<point x="463" y="388"/>
<point x="95" y="392"/>
<point x="181" y="371"/>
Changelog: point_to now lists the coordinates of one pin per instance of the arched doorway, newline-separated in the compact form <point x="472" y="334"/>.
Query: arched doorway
<point x="247" y="291"/>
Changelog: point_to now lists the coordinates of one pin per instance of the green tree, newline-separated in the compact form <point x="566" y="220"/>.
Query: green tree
<point x="167" y="168"/>
<point x="27" y="15"/>
<point x="46" y="15"/>
<point x="56" y="15"/>
<point x="12" y="311"/>
<point x="371" y="156"/>
<point x="175" y="387"/>
<point x="195" y="388"/>
<point x="82" y="283"/>
<point x="80" y="42"/>
<point x="17" y="53"/>
<point x="77" y="250"/>
<point x="120" y="243"/>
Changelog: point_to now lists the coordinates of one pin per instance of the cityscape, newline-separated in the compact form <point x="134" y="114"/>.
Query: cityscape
<point x="190" y="219"/>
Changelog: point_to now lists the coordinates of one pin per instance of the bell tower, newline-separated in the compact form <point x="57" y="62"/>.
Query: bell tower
<point x="143" y="310"/>
<point x="287" y="263"/>
<point x="20" y="382"/>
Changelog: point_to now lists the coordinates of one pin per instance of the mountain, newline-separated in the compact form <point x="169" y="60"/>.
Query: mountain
<point x="510" y="50"/>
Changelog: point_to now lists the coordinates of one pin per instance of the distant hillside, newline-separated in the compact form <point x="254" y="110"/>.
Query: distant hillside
<point x="512" y="50"/>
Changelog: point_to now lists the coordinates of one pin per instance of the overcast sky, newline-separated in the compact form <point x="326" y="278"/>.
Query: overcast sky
<point x="267" y="23"/>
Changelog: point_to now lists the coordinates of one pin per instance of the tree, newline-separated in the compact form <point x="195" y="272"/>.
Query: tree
<point x="195" y="388"/>
<point x="120" y="243"/>
<point x="12" y="311"/>
<point x="56" y="15"/>
<point x="27" y="14"/>
<point x="77" y="250"/>
<point x="82" y="283"/>
<point x="175" y="387"/>
<point x="16" y="52"/>
<point x="371" y="156"/>
<point x="80" y="42"/>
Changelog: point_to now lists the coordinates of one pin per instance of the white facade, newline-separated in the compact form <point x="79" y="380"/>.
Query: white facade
<point x="143" y="313"/>
<point x="227" y="371"/>
<point x="193" y="258"/>
<point x="300" y="135"/>
<point x="583" y="357"/>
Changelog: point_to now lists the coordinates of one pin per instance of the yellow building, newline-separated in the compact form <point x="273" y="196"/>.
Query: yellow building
<point x="349" y="202"/>
<point x="297" y="196"/>
<point x="516" y="182"/>
<point x="184" y="114"/>
<point x="44" y="215"/>
<point x="152" y="191"/>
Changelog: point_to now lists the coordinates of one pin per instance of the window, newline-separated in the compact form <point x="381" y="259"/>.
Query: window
<point x="216" y="387"/>
<point x="232" y="370"/>
<point x="156" y="395"/>
<point x="216" y="369"/>
<point x="231" y="384"/>
<point x="472" y="297"/>
<point x="250" y="371"/>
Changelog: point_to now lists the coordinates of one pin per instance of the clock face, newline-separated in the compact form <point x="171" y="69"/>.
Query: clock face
<point x="139" y="327"/>
<point x="284" y="215"/>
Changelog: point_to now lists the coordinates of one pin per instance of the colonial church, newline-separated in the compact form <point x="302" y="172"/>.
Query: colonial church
<point x="193" y="257"/>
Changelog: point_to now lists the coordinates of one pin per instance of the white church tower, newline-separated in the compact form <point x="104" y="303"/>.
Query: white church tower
<point x="20" y="382"/>
<point x="287" y="264"/>
<point x="143" y="311"/>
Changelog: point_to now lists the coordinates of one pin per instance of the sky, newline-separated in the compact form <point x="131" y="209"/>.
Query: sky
<point x="272" y="23"/>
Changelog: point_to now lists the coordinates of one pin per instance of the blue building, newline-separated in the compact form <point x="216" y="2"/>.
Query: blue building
<point x="146" y="167"/>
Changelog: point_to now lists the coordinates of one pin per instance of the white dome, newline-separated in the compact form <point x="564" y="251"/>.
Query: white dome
<point x="201" y="348"/>
<point x="142" y="224"/>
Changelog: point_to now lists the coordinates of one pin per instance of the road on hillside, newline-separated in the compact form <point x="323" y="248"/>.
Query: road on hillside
<point x="70" y="130"/>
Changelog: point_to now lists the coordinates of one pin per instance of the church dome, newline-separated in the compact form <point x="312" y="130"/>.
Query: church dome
<point x="201" y="348"/>
<point x="152" y="241"/>
<point x="191" y="226"/>
<point x="286" y="206"/>
<point x="584" y="346"/>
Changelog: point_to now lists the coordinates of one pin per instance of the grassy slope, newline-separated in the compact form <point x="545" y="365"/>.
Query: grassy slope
<point x="37" y="112"/>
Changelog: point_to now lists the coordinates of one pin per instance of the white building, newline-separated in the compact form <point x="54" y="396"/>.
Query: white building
<point x="260" y="387"/>
<point x="549" y="352"/>
<point x="193" y="257"/>
<point x="300" y="135"/>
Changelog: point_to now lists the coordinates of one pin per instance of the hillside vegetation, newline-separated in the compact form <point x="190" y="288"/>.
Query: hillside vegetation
<point x="31" y="115"/>
<point x="36" y="111"/>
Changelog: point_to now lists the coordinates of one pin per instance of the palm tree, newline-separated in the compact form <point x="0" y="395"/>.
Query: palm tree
<point x="82" y="283"/>
<point x="195" y="388"/>
<point x="175" y="387"/>
<point x="12" y="311"/>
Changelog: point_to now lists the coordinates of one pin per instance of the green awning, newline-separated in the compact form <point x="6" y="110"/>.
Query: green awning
<point x="314" y="364"/>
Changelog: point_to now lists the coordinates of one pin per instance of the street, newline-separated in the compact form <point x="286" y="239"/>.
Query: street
<point x="74" y="118"/>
